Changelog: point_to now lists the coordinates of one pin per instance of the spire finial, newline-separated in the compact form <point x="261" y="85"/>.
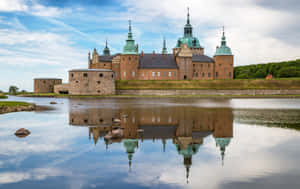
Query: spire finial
<point x="129" y="25"/>
<point x="188" y="15"/>
<point x="223" y="30"/>
<point x="106" y="42"/>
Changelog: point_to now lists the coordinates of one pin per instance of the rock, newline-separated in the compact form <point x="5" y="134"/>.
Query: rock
<point x="22" y="132"/>
<point x="140" y="130"/>
<point x="53" y="102"/>
<point x="116" y="120"/>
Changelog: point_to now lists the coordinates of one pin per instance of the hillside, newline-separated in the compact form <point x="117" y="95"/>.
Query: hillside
<point x="278" y="70"/>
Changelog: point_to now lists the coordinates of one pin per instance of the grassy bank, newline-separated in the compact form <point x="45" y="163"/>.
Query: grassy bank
<point x="2" y="96"/>
<point x="241" y="84"/>
<point x="13" y="104"/>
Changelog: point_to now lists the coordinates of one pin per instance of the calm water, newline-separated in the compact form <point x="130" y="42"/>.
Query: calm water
<point x="185" y="143"/>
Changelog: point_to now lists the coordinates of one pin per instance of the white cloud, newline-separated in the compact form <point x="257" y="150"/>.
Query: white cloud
<point x="13" y="5"/>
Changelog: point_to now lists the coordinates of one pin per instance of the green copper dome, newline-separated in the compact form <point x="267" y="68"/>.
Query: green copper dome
<point x="130" y="145"/>
<point x="130" y="47"/>
<point x="189" y="151"/>
<point x="188" y="36"/>
<point x="222" y="143"/>
<point x="223" y="49"/>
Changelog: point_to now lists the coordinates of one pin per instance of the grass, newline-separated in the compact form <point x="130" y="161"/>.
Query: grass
<point x="13" y="104"/>
<point x="2" y="96"/>
<point x="240" y="84"/>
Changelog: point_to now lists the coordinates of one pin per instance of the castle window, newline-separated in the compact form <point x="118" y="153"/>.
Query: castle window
<point x="164" y="74"/>
<point x="153" y="74"/>
<point x="158" y="74"/>
<point x="220" y="65"/>
<point x="194" y="65"/>
<point x="98" y="82"/>
<point x="208" y="65"/>
<point x="72" y="75"/>
<point x="85" y="75"/>
<point x="104" y="64"/>
<point x="129" y="58"/>
<point x="85" y="121"/>
<point x="101" y="120"/>
<point x="229" y="74"/>
<point x="170" y="74"/>
<point x="174" y="73"/>
<point x="209" y="74"/>
<point x="98" y="91"/>
<point x="196" y="74"/>
<point x="101" y="75"/>
<point x="112" y="75"/>
<point x="203" y="74"/>
<point x="133" y="73"/>
<point x="217" y="74"/>
<point x="124" y="74"/>
<point x="143" y="74"/>
<point x="77" y="81"/>
<point x="201" y="65"/>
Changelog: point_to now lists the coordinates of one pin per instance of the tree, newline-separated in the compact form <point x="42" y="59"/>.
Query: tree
<point x="13" y="90"/>
<point x="289" y="72"/>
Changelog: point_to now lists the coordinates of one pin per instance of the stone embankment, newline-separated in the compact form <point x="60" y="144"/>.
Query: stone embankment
<point x="8" y="109"/>
<point x="210" y="92"/>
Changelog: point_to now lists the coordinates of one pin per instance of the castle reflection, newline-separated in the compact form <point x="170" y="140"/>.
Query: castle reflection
<point x="186" y="126"/>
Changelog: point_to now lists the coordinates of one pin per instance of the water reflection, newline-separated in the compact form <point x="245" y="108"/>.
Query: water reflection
<point x="186" y="126"/>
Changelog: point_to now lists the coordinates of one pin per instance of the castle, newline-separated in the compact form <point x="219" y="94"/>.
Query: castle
<point x="186" y="62"/>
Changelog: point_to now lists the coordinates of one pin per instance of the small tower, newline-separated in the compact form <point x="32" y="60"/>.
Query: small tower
<point x="222" y="143"/>
<point x="106" y="51"/>
<point x="223" y="60"/>
<point x="95" y="56"/>
<point x="164" y="49"/>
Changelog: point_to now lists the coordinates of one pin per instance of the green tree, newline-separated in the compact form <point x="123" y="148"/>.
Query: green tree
<point x="13" y="90"/>
<point x="289" y="72"/>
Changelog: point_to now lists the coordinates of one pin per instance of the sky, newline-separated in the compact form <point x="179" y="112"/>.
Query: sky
<point x="46" y="38"/>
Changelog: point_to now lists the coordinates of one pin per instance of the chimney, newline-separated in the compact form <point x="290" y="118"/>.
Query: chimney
<point x="153" y="53"/>
<point x="142" y="54"/>
<point x="137" y="48"/>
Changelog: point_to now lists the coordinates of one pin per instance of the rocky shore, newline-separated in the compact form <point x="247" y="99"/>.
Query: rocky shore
<point x="17" y="108"/>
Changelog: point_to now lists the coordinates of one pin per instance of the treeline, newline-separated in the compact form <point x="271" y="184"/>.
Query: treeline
<point x="277" y="70"/>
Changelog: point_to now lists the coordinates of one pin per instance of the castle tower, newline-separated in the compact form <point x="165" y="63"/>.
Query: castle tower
<point x="95" y="56"/>
<point x="106" y="51"/>
<point x="223" y="60"/>
<point x="164" y="49"/>
<point x="222" y="143"/>
<point x="129" y="59"/>
<point x="192" y="42"/>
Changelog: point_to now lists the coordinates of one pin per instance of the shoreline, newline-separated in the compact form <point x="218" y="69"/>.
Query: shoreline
<point x="158" y="96"/>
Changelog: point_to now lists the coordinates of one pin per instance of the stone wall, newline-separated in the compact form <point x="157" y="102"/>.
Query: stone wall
<point x="61" y="89"/>
<point x="210" y="92"/>
<point x="158" y="74"/>
<point x="45" y="85"/>
<point x="91" y="82"/>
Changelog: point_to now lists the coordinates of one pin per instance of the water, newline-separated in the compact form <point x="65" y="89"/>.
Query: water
<point x="184" y="143"/>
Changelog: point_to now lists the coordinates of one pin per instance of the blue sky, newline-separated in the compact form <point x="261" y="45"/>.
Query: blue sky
<point x="46" y="38"/>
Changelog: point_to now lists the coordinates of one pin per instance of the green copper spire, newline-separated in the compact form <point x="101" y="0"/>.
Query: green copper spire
<point x="106" y="51"/>
<point x="222" y="143"/>
<point x="130" y="145"/>
<point x="164" y="50"/>
<point x="130" y="47"/>
<point x="188" y="35"/>
<point x="188" y="29"/>
<point x="223" y="49"/>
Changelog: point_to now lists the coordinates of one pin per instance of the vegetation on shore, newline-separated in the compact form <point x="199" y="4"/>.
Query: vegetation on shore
<point x="241" y="84"/>
<point x="13" y="104"/>
<point x="285" y="69"/>
<point x="2" y="96"/>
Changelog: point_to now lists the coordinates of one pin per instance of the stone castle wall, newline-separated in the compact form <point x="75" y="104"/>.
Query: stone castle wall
<point x="46" y="85"/>
<point x="91" y="82"/>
